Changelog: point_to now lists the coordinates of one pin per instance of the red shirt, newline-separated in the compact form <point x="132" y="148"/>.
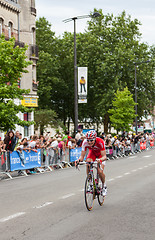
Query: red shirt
<point x="96" y="149"/>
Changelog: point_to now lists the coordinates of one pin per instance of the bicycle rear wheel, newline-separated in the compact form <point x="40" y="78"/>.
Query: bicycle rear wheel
<point x="89" y="193"/>
<point x="99" y="196"/>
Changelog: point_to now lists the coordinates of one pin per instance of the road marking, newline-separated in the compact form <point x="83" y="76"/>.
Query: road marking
<point x="148" y="156"/>
<point x="67" y="196"/>
<point x="119" y="177"/>
<point x="112" y="179"/>
<point x="43" y="205"/>
<point x="134" y="170"/>
<point x="145" y="166"/>
<point x="140" y="168"/>
<point x="133" y="157"/>
<point x="127" y="173"/>
<point x="12" y="216"/>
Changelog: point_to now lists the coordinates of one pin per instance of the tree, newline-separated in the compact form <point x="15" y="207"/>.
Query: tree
<point x="123" y="113"/>
<point x="48" y="64"/>
<point x="55" y="71"/>
<point x="12" y="64"/>
<point x="45" y="117"/>
<point x="110" y="47"/>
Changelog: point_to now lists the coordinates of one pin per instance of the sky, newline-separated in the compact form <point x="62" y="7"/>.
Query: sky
<point x="55" y="11"/>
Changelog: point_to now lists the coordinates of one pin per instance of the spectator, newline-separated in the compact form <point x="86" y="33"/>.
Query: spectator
<point x="42" y="140"/>
<point x="102" y="136"/>
<point x="80" y="141"/>
<point x="17" y="136"/>
<point x="78" y="135"/>
<point x="61" y="148"/>
<point x="32" y="143"/>
<point x="71" y="143"/>
<point x="1" y="146"/>
<point x="66" y="137"/>
<point x="18" y="140"/>
<point x="9" y="141"/>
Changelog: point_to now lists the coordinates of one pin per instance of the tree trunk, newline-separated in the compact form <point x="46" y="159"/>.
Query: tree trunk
<point x="106" y="121"/>
<point x="97" y="124"/>
<point x="41" y="130"/>
<point x="68" y="124"/>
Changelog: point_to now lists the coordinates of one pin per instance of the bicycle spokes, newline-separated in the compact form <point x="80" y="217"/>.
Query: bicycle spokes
<point x="89" y="193"/>
<point x="100" y="196"/>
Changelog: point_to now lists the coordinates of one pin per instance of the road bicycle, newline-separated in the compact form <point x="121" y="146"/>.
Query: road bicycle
<point x="93" y="186"/>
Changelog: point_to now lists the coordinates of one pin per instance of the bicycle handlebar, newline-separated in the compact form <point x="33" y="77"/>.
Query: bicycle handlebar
<point x="80" y="163"/>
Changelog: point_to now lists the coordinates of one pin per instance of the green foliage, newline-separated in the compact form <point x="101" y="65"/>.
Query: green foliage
<point x="122" y="113"/>
<point x="12" y="64"/>
<point x="45" y="117"/>
<point x="55" y="71"/>
<point x="48" y="65"/>
<point x="109" y="48"/>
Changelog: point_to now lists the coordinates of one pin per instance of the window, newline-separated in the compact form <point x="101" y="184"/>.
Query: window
<point x="27" y="117"/>
<point x="1" y="26"/>
<point x="10" y="30"/>
<point x="26" y="131"/>
<point x="33" y="36"/>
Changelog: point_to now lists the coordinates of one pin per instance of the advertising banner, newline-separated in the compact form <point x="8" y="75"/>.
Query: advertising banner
<point x="2" y="162"/>
<point x="74" y="154"/>
<point x="84" y="131"/>
<point x="142" y="145"/>
<point x="30" y="102"/>
<point x="82" y="84"/>
<point x="151" y="143"/>
<point x="28" y="160"/>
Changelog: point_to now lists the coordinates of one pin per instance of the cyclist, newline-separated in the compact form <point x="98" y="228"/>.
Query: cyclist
<point x="96" y="148"/>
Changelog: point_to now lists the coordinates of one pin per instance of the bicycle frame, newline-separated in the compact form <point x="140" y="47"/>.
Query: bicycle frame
<point x="93" y="186"/>
<point x="94" y="180"/>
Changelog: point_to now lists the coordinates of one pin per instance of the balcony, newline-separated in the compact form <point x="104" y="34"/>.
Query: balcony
<point x="20" y="44"/>
<point x="14" y="1"/>
<point x="35" y="85"/>
<point x="33" y="11"/>
<point x="34" y="52"/>
<point x="17" y="43"/>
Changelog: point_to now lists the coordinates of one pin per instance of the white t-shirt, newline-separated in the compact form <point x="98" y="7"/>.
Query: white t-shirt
<point x="54" y="144"/>
<point x="78" y="136"/>
<point x="32" y="144"/>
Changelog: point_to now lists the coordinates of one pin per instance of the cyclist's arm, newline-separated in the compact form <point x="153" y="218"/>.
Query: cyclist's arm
<point x="103" y="154"/>
<point x="81" y="158"/>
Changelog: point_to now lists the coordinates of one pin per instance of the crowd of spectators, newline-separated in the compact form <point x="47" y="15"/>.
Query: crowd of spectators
<point x="127" y="143"/>
<point x="14" y="141"/>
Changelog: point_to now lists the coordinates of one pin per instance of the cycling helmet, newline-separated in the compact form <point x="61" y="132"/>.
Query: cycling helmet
<point x="91" y="134"/>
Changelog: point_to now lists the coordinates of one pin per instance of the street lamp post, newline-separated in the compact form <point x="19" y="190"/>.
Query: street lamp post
<point x="94" y="15"/>
<point x="138" y="63"/>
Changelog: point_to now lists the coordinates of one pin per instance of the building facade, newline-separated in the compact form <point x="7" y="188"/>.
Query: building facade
<point x="17" y="19"/>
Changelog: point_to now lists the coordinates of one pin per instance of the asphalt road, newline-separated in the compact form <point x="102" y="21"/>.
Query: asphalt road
<point x="51" y="205"/>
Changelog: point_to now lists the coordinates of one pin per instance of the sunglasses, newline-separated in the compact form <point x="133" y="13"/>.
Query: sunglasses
<point x="90" y="140"/>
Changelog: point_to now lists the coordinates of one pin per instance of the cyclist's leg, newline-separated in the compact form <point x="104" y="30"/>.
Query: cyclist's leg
<point x="90" y="158"/>
<point x="100" y="170"/>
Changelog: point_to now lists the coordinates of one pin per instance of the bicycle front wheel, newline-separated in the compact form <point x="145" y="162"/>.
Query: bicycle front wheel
<point x="89" y="193"/>
<point x="99" y="196"/>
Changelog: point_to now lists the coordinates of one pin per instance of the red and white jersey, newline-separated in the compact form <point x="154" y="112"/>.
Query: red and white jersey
<point x="97" y="148"/>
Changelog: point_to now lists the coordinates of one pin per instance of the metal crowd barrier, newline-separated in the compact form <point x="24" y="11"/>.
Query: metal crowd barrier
<point x="53" y="158"/>
<point x="5" y="164"/>
<point x="49" y="159"/>
<point x="113" y="152"/>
